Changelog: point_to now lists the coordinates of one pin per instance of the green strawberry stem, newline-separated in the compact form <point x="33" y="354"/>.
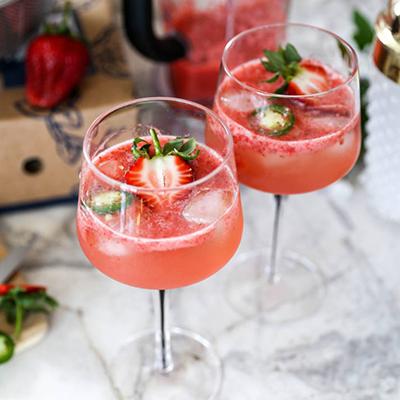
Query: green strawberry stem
<point x="283" y="63"/>
<point x="67" y="14"/>
<point x="175" y="147"/>
<point x="63" y="27"/>
<point x="156" y="143"/>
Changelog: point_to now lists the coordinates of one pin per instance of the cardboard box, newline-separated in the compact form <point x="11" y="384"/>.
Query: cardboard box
<point x="40" y="150"/>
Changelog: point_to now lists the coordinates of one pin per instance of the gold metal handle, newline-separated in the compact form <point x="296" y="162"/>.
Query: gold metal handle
<point x="386" y="52"/>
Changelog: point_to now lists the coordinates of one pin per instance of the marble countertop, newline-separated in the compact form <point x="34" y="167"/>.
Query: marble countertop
<point x="348" y="350"/>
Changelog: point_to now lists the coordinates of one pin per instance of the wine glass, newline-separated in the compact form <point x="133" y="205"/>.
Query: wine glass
<point x="289" y="94"/>
<point x="159" y="208"/>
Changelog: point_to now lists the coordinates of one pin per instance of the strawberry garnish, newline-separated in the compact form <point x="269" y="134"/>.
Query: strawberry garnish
<point x="300" y="77"/>
<point x="168" y="167"/>
<point x="55" y="64"/>
<point x="309" y="79"/>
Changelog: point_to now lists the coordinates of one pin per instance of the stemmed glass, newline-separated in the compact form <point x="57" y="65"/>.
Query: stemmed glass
<point x="291" y="136"/>
<point x="160" y="237"/>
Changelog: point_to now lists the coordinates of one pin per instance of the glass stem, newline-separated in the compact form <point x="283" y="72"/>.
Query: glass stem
<point x="163" y="361"/>
<point x="275" y="237"/>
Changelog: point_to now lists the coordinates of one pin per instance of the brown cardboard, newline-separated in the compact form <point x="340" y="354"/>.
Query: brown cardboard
<point x="54" y="137"/>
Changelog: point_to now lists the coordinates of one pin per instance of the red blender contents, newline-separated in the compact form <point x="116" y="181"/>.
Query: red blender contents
<point x="206" y="32"/>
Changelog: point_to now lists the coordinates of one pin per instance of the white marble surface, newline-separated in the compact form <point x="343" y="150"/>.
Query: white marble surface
<point x="349" y="350"/>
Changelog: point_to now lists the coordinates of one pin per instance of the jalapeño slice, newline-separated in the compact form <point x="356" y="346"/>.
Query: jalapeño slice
<point x="6" y="347"/>
<point x="274" y="119"/>
<point x="109" y="202"/>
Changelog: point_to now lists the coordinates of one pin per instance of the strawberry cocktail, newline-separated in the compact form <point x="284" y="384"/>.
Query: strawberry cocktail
<point x="289" y="146"/>
<point x="292" y="107"/>
<point x="159" y="208"/>
<point x="162" y="233"/>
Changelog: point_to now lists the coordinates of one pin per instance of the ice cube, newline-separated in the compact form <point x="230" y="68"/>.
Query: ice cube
<point x="242" y="101"/>
<point x="207" y="206"/>
<point x="114" y="248"/>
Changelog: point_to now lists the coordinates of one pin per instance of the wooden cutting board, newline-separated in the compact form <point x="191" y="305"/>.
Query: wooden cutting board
<point x="35" y="325"/>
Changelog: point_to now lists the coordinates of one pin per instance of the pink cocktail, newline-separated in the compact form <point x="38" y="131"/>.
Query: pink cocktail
<point x="159" y="208"/>
<point x="321" y="148"/>
<point x="152" y="248"/>
<point x="292" y="105"/>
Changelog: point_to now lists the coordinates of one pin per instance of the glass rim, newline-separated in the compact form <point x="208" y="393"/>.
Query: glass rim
<point x="131" y="188"/>
<point x="348" y="47"/>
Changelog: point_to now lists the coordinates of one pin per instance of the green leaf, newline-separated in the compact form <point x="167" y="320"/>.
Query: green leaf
<point x="18" y="303"/>
<point x="282" y="89"/>
<point x="172" y="145"/>
<point x="284" y="63"/>
<point x="274" y="78"/>
<point x="184" y="147"/>
<point x="187" y="156"/>
<point x="269" y="66"/>
<point x="343" y="51"/>
<point x="291" y="54"/>
<point x="50" y="301"/>
<point x="364" y="31"/>
<point x="189" y="146"/>
<point x="142" y="151"/>
<point x="276" y="59"/>
<point x="364" y="86"/>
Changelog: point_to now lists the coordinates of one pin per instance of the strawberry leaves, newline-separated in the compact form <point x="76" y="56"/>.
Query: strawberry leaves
<point x="284" y="63"/>
<point x="142" y="151"/>
<point x="364" y="31"/>
<point x="186" y="150"/>
<point x="180" y="146"/>
<point x="165" y="167"/>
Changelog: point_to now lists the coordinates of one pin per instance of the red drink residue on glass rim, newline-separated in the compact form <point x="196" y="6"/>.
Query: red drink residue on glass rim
<point x="166" y="247"/>
<point x="321" y="148"/>
<point x="206" y="31"/>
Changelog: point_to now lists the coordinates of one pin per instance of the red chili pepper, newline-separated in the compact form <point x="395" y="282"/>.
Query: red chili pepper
<point x="5" y="288"/>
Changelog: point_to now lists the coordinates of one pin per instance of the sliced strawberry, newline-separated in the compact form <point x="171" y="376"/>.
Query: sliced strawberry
<point x="159" y="173"/>
<point x="167" y="168"/>
<point x="56" y="62"/>
<point x="311" y="78"/>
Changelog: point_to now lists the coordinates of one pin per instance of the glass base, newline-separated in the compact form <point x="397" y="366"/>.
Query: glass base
<point x="296" y="291"/>
<point x="197" y="371"/>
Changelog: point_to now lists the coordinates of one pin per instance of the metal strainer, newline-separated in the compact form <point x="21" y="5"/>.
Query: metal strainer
<point x="18" y="18"/>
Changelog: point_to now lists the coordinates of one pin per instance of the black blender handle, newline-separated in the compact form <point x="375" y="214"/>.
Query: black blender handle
<point x="138" y="22"/>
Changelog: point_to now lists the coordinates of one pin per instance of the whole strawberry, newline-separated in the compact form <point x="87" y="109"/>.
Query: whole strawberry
<point x="55" y="64"/>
